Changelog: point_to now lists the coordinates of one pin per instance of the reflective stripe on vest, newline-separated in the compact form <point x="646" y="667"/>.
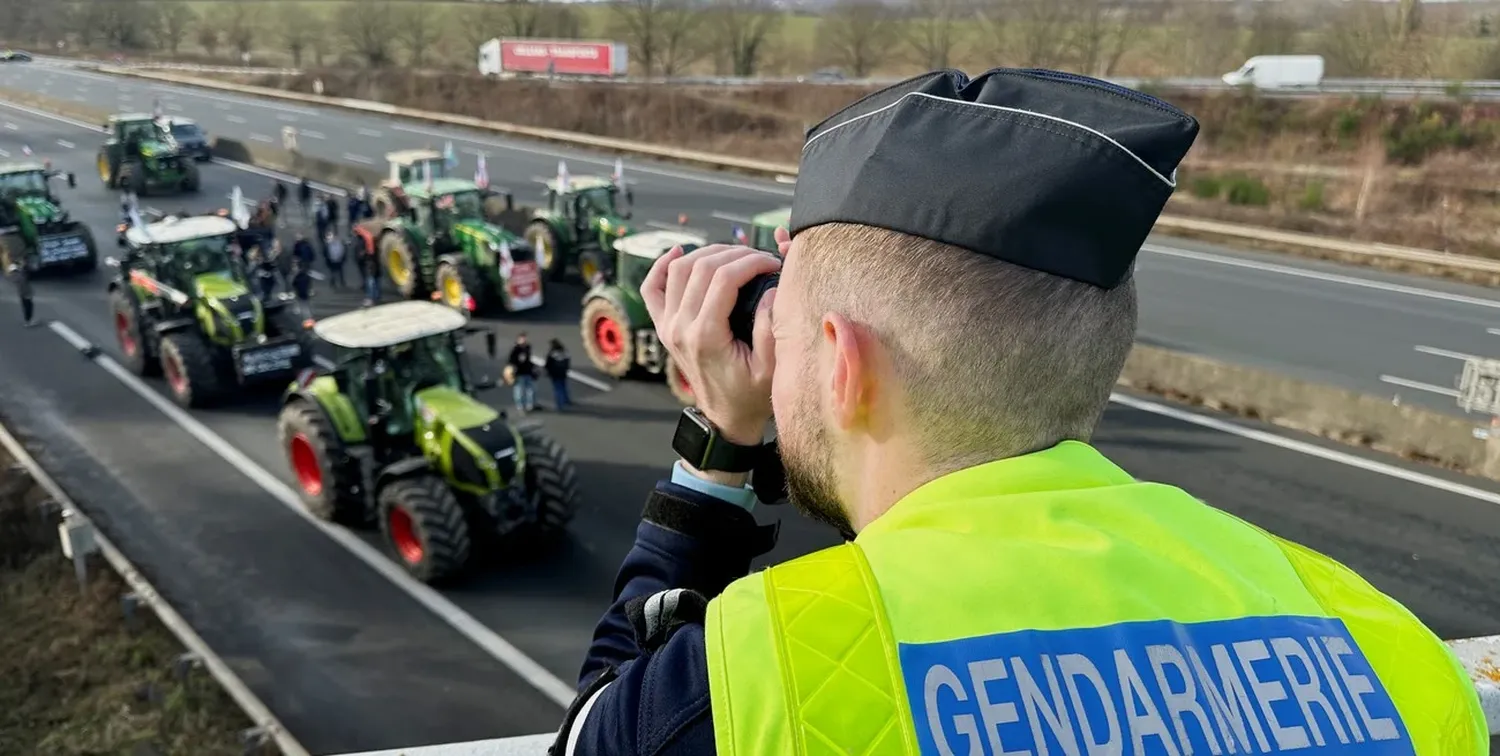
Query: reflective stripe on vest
<point x="1050" y="604"/>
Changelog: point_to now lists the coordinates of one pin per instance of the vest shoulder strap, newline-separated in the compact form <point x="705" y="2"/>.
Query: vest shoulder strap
<point x="838" y="656"/>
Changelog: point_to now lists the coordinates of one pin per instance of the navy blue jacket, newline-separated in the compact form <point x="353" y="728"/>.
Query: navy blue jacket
<point x="656" y="700"/>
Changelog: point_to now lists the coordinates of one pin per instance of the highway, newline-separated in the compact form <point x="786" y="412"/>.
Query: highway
<point x="1322" y="322"/>
<point x="351" y="659"/>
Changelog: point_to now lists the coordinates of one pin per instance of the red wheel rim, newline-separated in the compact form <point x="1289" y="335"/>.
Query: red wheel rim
<point x="610" y="338"/>
<point x="122" y="330"/>
<point x="404" y="536"/>
<point x="305" y="465"/>
<point x="171" y="364"/>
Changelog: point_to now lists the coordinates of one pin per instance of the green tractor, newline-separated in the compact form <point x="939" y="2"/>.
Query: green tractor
<point x="38" y="233"/>
<point x="762" y="228"/>
<point x="448" y="239"/>
<point x="391" y="433"/>
<point x="617" y="331"/>
<point x="141" y="155"/>
<point x="182" y="306"/>
<point x="583" y="218"/>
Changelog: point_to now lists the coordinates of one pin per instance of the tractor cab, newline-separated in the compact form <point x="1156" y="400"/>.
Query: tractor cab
<point x="384" y="357"/>
<point x="24" y="185"/>
<point x="188" y="255"/>
<point x="138" y="130"/>
<point x="638" y="252"/>
<point x="411" y="166"/>
<point x="585" y="198"/>
<point x="758" y="231"/>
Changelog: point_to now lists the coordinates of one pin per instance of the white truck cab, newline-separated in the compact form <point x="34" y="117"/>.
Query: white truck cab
<point x="1278" y="71"/>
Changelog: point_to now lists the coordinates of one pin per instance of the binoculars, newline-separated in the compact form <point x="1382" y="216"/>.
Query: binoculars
<point x="742" y="317"/>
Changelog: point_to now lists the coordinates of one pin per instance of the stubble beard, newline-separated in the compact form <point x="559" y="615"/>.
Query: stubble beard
<point x="807" y="459"/>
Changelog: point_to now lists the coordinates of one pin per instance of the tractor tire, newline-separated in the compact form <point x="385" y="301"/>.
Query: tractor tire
<point x="681" y="390"/>
<point x="192" y="377"/>
<point x="91" y="262"/>
<point x="394" y="246"/>
<point x="453" y="280"/>
<point x="552" y="484"/>
<point x="549" y="253"/>
<point x="191" y="179"/>
<point x="425" y="527"/>
<point x="108" y="171"/>
<point x="478" y="287"/>
<point x="136" y="351"/>
<point x="607" y="338"/>
<point x="592" y="265"/>
<point x="328" y="487"/>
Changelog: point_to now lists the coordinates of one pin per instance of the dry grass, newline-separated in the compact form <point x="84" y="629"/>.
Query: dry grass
<point x="77" y="679"/>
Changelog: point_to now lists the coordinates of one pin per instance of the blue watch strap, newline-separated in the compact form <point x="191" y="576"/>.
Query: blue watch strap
<point x="742" y="497"/>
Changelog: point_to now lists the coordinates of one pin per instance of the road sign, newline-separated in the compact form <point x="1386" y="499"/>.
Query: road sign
<point x="1479" y="386"/>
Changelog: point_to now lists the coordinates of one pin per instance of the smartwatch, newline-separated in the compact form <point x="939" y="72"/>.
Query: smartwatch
<point x="699" y="444"/>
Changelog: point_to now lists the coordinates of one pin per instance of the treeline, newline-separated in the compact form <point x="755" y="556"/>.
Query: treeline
<point x="1145" y="38"/>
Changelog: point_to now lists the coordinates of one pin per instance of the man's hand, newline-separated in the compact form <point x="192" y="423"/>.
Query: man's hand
<point x="689" y="298"/>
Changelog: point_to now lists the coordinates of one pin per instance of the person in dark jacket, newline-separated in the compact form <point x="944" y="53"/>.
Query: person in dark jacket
<point x="331" y="204"/>
<point x="356" y="208"/>
<point x="22" y="281"/>
<point x="320" y="219"/>
<point x="278" y="200"/>
<point x="264" y="265"/>
<point x="558" y="363"/>
<point x="524" y="389"/>
<point x="304" y="198"/>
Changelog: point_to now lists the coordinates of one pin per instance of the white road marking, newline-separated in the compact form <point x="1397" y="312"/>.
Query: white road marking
<point x="590" y="381"/>
<point x="361" y="159"/>
<point x="174" y="107"/>
<point x="4" y="154"/>
<point x="261" y="138"/>
<point x="11" y="126"/>
<point x="1321" y="276"/>
<point x="1419" y="385"/>
<point x="529" y="670"/>
<point x="369" y="133"/>
<point x="311" y="134"/>
<point x="1449" y="353"/>
<point x="287" y="118"/>
<point x="234" y="119"/>
<point x="65" y="144"/>
<point x="1311" y="450"/>
<point x="221" y="105"/>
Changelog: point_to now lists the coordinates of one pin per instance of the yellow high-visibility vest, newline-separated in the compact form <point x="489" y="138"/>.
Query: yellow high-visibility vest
<point x="1050" y="604"/>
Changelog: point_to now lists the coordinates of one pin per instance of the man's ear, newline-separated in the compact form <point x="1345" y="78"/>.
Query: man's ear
<point x="849" y="386"/>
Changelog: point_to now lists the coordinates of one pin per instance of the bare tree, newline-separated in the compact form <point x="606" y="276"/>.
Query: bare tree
<point x="1204" y="39"/>
<point x="419" y="27"/>
<point x="1036" y="32"/>
<point x="662" y="34"/>
<point x="1271" y="32"/>
<point x="370" y="33"/>
<point x="90" y="22"/>
<point x="858" y="33"/>
<point x="1102" y="32"/>
<point x="741" y="29"/>
<point x="236" y="23"/>
<point x="208" y="38"/>
<point x="1408" y="19"/>
<point x="295" y="32"/>
<point x="1355" y="40"/>
<point x="126" y="24"/>
<point x="173" y="20"/>
<point x="934" y="29"/>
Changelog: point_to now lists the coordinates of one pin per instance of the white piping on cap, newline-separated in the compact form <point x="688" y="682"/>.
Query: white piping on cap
<point x="1171" y="182"/>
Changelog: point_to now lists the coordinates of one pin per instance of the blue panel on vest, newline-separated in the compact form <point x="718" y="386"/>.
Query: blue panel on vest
<point x="1249" y="685"/>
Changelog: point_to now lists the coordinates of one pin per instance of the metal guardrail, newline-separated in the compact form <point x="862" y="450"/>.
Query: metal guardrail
<point x="81" y="538"/>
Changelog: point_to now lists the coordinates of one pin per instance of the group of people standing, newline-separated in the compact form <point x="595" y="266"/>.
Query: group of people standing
<point x="334" y="242"/>
<point x="520" y="371"/>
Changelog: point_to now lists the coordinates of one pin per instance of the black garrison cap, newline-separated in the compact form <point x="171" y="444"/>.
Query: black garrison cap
<point x="1059" y="173"/>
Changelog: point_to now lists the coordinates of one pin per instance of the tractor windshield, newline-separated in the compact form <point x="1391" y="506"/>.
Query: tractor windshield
<point x="196" y="257"/>
<point x="25" y="182"/>
<point x="467" y="205"/>
<point x="601" y="201"/>
<point x="427" y="362"/>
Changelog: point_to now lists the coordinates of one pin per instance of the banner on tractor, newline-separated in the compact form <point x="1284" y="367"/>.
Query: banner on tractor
<point x="553" y="56"/>
<point x="58" y="249"/>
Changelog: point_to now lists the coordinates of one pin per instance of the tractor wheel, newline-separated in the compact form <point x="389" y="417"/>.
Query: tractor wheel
<point x="107" y="170"/>
<point x="189" y="367"/>
<point x="91" y="262"/>
<point x="593" y="265"/>
<point x="549" y="256"/>
<point x="456" y="281"/>
<point x="382" y="206"/>
<point x="478" y="288"/>
<point x="552" y="484"/>
<point x="191" y="178"/>
<point x="401" y="265"/>
<point x="606" y="338"/>
<point x="678" y="383"/>
<point x="134" y="348"/>
<point x="327" y="488"/>
<point x="425" y="527"/>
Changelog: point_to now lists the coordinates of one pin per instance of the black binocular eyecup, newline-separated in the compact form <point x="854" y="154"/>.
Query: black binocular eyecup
<point x="742" y="317"/>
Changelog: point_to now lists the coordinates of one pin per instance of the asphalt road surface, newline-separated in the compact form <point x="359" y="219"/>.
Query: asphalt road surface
<point x="352" y="659"/>
<point x="1321" y="322"/>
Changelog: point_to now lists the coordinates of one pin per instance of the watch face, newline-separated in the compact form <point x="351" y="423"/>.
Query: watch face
<point x="693" y="437"/>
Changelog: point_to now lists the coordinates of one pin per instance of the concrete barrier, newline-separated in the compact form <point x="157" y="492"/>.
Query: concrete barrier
<point x="295" y="163"/>
<point x="1337" y="414"/>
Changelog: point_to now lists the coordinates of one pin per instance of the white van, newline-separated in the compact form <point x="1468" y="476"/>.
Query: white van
<point x="1277" y="71"/>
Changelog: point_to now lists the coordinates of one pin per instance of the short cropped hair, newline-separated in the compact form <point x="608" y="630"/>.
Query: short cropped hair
<point x="994" y="360"/>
